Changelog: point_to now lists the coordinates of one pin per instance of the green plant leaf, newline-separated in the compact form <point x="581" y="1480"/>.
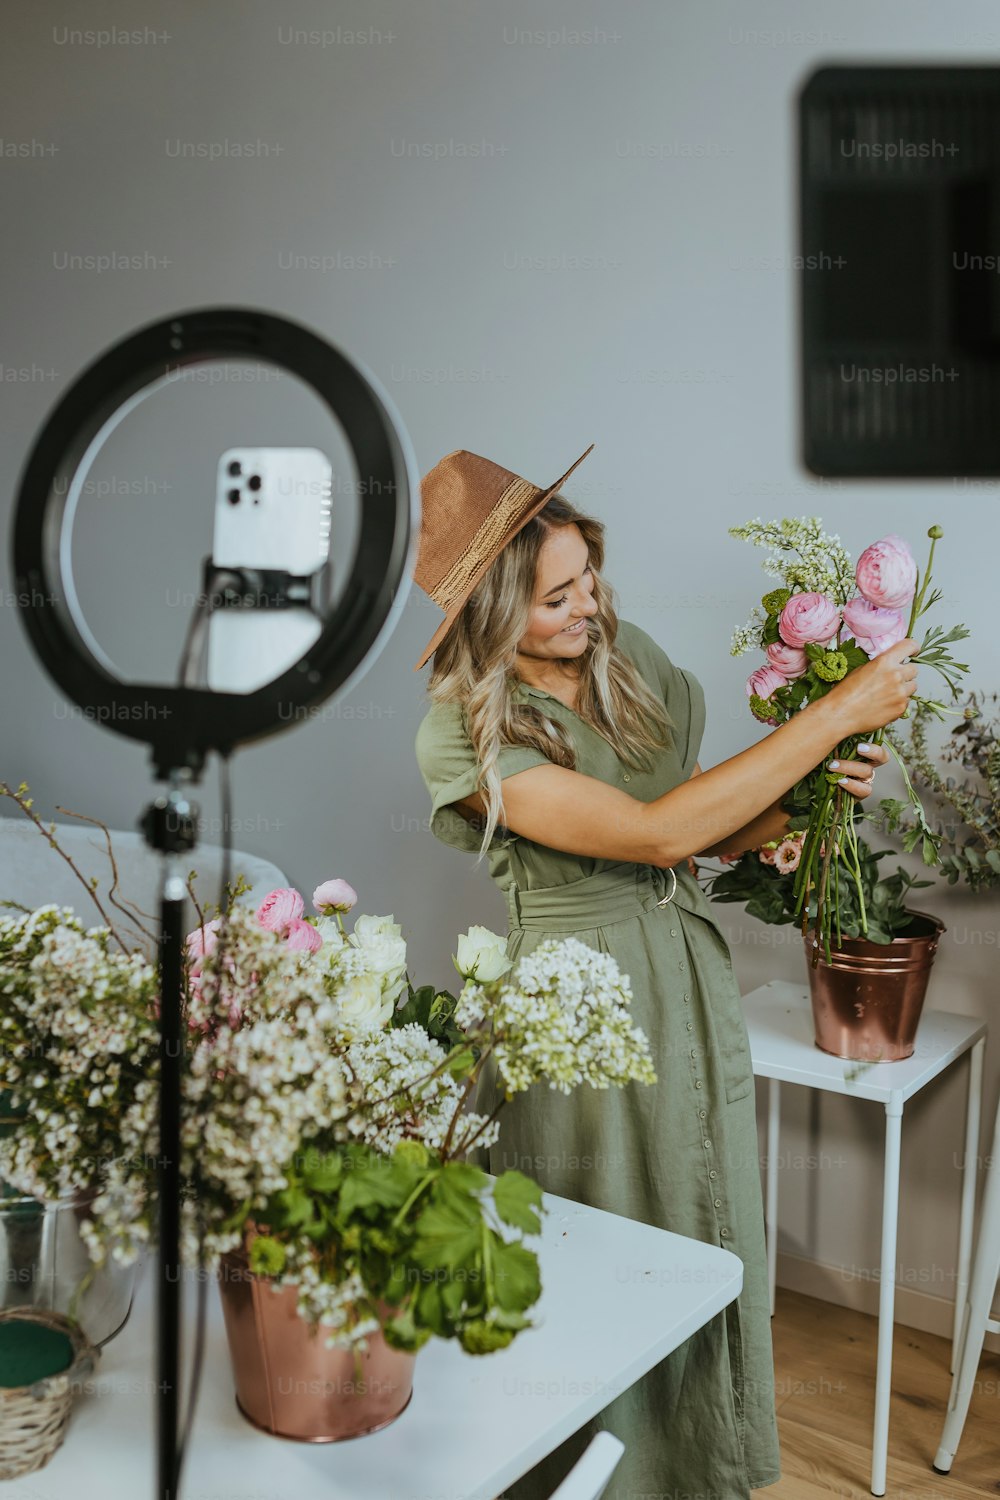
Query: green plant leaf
<point x="516" y="1280"/>
<point x="518" y="1201"/>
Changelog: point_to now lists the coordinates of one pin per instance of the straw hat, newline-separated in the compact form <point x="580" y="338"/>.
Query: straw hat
<point x="470" y="509"/>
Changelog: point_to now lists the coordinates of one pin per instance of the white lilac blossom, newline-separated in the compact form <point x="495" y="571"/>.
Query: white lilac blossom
<point x="563" y="1019"/>
<point x="403" y="1092"/>
<point x="804" y="557"/>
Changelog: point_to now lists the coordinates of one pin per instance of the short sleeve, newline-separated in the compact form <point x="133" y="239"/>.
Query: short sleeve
<point x="448" y="765"/>
<point x="683" y="694"/>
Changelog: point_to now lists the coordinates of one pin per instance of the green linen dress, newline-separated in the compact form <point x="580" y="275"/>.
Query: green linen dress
<point x="682" y="1153"/>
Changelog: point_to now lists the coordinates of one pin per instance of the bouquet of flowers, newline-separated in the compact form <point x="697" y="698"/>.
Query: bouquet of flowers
<point x="828" y="619"/>
<point x="761" y="879"/>
<point x="324" y="1112"/>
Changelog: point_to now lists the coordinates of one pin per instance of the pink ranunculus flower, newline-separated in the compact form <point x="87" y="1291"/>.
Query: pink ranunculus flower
<point x="201" y="942"/>
<point x="808" y="618"/>
<point x="787" y="856"/>
<point x="302" y="936"/>
<point x="334" y="895"/>
<point x="765" y="681"/>
<point x="886" y="573"/>
<point x="875" y="629"/>
<point x="791" y="661"/>
<point x="280" y="908"/>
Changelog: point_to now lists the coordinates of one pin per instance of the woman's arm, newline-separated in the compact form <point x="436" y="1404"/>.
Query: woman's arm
<point x="772" y="823"/>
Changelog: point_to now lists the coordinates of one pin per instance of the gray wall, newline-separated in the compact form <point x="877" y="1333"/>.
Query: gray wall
<point x="560" y="243"/>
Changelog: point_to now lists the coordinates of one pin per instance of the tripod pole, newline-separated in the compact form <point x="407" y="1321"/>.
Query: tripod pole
<point x="169" y="826"/>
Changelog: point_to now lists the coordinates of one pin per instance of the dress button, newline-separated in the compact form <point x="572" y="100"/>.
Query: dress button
<point x="707" y="1144"/>
<point x="713" y="1174"/>
<point x="693" y="1050"/>
<point x="673" y="932"/>
<point x="689" y="1025"/>
<point x="702" y="1113"/>
<point x="626" y="777"/>
<point x="687" y="996"/>
<point x="717" y="1202"/>
<point x="724" y="1233"/>
<point x="697" y="1082"/>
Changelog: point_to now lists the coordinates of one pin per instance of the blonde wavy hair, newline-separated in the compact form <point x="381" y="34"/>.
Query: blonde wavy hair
<point x="475" y="665"/>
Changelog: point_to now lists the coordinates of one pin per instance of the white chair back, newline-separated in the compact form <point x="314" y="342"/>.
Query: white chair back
<point x="589" y="1476"/>
<point x="34" y="874"/>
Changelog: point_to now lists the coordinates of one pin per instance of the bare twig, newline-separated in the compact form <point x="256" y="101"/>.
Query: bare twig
<point x="24" y="803"/>
<point x="121" y="906"/>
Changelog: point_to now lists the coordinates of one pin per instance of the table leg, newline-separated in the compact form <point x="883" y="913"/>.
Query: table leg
<point x="974" y="1102"/>
<point x="771" y="1206"/>
<point x="887" y="1292"/>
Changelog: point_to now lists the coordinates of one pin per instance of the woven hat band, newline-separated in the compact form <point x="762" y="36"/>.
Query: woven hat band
<point x="486" y="543"/>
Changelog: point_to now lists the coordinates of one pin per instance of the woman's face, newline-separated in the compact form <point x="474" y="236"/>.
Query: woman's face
<point x="564" y="598"/>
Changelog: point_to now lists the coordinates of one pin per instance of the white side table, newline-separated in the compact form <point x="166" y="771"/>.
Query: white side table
<point x="782" y="1047"/>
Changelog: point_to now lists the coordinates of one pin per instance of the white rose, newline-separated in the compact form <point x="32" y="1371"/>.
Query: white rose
<point x="380" y="940"/>
<point x="362" y="1004"/>
<point x="482" y="955"/>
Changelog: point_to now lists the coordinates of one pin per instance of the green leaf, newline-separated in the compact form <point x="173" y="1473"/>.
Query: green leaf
<point x="445" y="1237"/>
<point x="324" y="1171"/>
<point x="516" y="1280"/>
<point x="382" y="1184"/>
<point x="401" y="1332"/>
<point x="518" y="1200"/>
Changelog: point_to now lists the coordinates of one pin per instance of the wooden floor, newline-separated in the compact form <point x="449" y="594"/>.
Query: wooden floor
<point x="824" y="1358"/>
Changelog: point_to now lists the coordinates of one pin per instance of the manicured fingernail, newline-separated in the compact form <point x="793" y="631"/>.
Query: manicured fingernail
<point x="864" y="747"/>
<point x="842" y="779"/>
<point x="834" y="764"/>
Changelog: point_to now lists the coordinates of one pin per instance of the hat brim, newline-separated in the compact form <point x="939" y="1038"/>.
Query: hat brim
<point x="459" y="604"/>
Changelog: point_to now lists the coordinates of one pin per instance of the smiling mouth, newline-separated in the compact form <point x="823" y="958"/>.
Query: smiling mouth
<point x="577" y="629"/>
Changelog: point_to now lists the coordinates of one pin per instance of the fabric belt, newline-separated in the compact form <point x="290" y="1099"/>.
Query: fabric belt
<point x="611" y="895"/>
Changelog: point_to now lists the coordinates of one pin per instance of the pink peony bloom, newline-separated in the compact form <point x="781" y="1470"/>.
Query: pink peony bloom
<point x="808" y="618"/>
<point x="790" y="661"/>
<point x="280" y="908"/>
<point x="765" y="681"/>
<point x="201" y="942"/>
<point x="302" y="936"/>
<point x="787" y="856"/>
<point x="334" y="895"/>
<point x="875" y="629"/>
<point x="886" y="573"/>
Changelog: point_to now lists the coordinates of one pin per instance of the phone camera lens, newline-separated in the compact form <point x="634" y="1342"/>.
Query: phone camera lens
<point x="234" y="497"/>
<point x="234" y="468"/>
<point x="254" y="482"/>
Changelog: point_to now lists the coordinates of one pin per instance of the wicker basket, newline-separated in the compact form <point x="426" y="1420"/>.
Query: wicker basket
<point x="33" y="1417"/>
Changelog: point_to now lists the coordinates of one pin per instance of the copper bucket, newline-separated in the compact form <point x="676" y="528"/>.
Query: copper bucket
<point x="867" y="1000"/>
<point x="288" y="1382"/>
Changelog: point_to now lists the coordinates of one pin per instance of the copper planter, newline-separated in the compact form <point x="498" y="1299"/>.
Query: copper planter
<point x="288" y="1382"/>
<point x="867" y="1000"/>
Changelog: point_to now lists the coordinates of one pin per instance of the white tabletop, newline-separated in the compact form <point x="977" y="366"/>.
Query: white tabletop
<point x="618" y="1296"/>
<point x="782" y="1045"/>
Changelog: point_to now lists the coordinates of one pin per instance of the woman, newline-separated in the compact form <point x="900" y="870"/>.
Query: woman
<point x="563" y="742"/>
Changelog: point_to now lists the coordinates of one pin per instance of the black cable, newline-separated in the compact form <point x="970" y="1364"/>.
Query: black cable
<point x="200" y="1314"/>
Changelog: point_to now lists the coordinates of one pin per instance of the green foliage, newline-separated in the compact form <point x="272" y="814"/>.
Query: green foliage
<point x="425" y="1235"/>
<point x="967" y="815"/>
<point x="769" y="895"/>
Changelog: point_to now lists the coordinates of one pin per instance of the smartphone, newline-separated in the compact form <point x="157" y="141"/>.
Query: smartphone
<point x="272" y="511"/>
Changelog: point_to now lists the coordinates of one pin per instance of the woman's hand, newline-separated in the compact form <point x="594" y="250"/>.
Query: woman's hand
<point x="857" y="776"/>
<point x="877" y="693"/>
